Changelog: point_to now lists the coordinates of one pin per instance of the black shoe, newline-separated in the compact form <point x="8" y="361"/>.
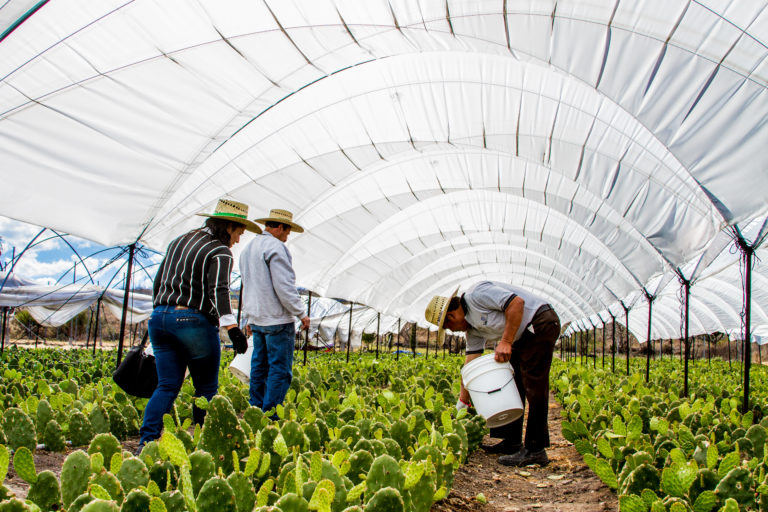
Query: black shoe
<point x="525" y="458"/>
<point x="137" y="451"/>
<point x="504" y="447"/>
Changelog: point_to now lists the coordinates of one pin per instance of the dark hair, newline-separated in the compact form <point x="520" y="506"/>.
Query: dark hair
<point x="454" y="303"/>
<point x="219" y="228"/>
<point x="275" y="224"/>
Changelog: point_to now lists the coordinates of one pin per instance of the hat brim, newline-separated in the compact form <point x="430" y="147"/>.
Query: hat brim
<point x="294" y="227"/>
<point x="250" y="226"/>
<point x="443" y="313"/>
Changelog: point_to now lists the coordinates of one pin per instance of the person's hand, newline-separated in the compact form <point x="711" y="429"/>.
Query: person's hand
<point x="305" y="323"/>
<point x="461" y="404"/>
<point x="248" y="331"/>
<point x="238" y="339"/>
<point x="503" y="351"/>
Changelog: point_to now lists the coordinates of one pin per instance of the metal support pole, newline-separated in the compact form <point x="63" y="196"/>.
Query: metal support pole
<point x="686" y="341"/>
<point x="306" y="334"/>
<point x="648" y="341"/>
<point x="378" y="325"/>
<point x="603" y="342"/>
<point x="2" y="335"/>
<point x="427" y="355"/>
<point x="594" y="345"/>
<point x="613" y="343"/>
<point x="96" y="327"/>
<point x="131" y="251"/>
<point x="748" y="255"/>
<point x="397" y="350"/>
<point x="626" y="320"/>
<point x="349" y="332"/>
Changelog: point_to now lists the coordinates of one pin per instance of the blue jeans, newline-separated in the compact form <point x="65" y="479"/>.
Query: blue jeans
<point x="271" y="364"/>
<point x="181" y="338"/>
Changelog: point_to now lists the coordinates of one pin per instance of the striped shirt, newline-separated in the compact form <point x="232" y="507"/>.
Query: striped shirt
<point x="195" y="273"/>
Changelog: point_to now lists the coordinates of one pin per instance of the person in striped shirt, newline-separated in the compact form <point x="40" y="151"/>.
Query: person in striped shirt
<point x="191" y="302"/>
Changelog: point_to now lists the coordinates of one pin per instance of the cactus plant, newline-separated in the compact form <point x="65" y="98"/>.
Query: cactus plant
<point x="24" y="464"/>
<point x="133" y="473"/>
<point x="101" y="506"/>
<point x="160" y="472"/>
<point x="386" y="499"/>
<point x="80" y="430"/>
<point x="135" y="501"/>
<point x="216" y="496"/>
<point x="201" y="470"/>
<point x="44" y="415"/>
<point x="109" y="483"/>
<point x="53" y="437"/>
<point x="19" y="429"/>
<point x="74" y="476"/>
<point x="173" y="501"/>
<point x="45" y="492"/>
<point x="245" y="495"/>
<point x="105" y="444"/>
<point x="222" y="434"/>
<point x="384" y="472"/>
<point x="99" y="419"/>
<point x="117" y="425"/>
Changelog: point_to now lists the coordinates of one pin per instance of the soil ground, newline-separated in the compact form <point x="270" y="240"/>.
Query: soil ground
<point x="565" y="485"/>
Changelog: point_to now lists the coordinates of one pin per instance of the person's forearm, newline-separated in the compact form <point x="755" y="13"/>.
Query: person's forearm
<point x="513" y="316"/>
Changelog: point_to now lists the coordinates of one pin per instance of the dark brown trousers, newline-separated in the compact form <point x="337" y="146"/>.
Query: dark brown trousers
<point x="531" y="360"/>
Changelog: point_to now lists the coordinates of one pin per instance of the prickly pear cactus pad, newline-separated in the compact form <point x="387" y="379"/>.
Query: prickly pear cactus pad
<point x="347" y="438"/>
<point x="662" y="451"/>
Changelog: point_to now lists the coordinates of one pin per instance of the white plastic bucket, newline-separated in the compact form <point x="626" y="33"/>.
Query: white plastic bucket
<point x="241" y="364"/>
<point x="493" y="390"/>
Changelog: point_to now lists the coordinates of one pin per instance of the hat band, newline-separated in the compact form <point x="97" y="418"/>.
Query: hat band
<point x="221" y="214"/>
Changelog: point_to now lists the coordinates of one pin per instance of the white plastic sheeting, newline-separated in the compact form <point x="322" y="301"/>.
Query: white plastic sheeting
<point x="581" y="149"/>
<point x="53" y="306"/>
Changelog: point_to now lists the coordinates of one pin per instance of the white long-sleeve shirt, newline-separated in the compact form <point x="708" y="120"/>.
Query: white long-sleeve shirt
<point x="269" y="283"/>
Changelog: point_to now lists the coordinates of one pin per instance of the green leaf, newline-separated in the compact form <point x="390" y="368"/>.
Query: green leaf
<point x="747" y="419"/>
<point x="316" y="466"/>
<point x="279" y="446"/>
<point x="705" y="502"/>
<point x="604" y="447"/>
<point x="731" y="505"/>
<point x="686" y="474"/>
<point x="323" y="496"/>
<point x="262" y="497"/>
<point x="677" y="456"/>
<point x="173" y="446"/>
<point x="670" y="483"/>
<point x="649" y="497"/>
<point x="115" y="463"/>
<point x="157" y="505"/>
<point x="355" y="492"/>
<point x="606" y="474"/>
<point x="632" y="503"/>
<point x="440" y="494"/>
<point x="98" y="492"/>
<point x="730" y="461"/>
<point x="712" y="456"/>
<point x="252" y="464"/>
<point x="24" y="464"/>
<point x="187" y="490"/>
<point x="4" y="460"/>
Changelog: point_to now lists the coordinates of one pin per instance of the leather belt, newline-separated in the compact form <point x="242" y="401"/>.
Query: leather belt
<point x="181" y="307"/>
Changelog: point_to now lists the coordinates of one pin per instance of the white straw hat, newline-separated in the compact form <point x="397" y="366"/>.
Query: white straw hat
<point x="436" y="311"/>
<point x="283" y="217"/>
<point x="234" y="211"/>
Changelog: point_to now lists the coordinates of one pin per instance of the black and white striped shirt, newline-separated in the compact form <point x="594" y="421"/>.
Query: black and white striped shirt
<point x="195" y="273"/>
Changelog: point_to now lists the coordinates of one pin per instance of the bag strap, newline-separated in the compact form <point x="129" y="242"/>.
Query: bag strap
<point x="144" y="339"/>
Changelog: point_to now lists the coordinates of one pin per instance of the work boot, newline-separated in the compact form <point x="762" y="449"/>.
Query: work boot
<point x="504" y="447"/>
<point x="524" y="457"/>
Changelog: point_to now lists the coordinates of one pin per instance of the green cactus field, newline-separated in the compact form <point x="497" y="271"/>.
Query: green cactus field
<point x="377" y="435"/>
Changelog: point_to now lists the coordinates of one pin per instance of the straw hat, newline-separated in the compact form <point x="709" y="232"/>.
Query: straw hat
<point x="436" y="311"/>
<point x="283" y="217"/>
<point x="228" y="209"/>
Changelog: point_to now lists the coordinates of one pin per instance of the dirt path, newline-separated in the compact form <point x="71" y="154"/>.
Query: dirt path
<point x="565" y="485"/>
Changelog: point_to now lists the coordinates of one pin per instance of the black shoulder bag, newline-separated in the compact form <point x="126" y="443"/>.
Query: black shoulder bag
<point x="137" y="374"/>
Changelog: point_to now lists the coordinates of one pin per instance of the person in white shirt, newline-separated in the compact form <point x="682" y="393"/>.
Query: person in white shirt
<point x="271" y="303"/>
<point x="526" y="329"/>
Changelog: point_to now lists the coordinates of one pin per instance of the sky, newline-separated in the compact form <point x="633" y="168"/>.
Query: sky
<point x="52" y="260"/>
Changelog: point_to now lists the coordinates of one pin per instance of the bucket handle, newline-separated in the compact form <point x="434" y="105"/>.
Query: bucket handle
<point x="492" y="391"/>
